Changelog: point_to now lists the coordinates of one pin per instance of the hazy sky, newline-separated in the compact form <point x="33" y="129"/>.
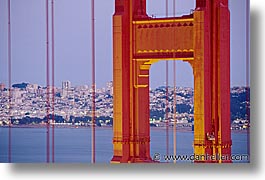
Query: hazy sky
<point x="73" y="42"/>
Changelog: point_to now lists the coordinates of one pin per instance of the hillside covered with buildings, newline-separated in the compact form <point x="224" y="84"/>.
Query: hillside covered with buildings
<point x="72" y="105"/>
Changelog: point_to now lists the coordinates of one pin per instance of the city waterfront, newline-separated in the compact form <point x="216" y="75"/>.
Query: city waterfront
<point x="72" y="105"/>
<point x="73" y="145"/>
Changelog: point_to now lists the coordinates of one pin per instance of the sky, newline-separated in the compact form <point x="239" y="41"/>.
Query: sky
<point x="73" y="42"/>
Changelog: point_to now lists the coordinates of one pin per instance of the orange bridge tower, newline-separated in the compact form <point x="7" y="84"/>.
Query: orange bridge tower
<point x="202" y="39"/>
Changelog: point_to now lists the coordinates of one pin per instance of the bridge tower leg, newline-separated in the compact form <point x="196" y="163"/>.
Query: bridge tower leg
<point x="131" y="137"/>
<point x="211" y="68"/>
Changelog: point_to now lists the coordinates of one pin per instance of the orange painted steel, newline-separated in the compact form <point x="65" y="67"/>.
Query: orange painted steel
<point x="9" y="84"/>
<point x="174" y="99"/>
<point x="47" y="85"/>
<point x="53" y="83"/>
<point x="202" y="39"/>
<point x="93" y="71"/>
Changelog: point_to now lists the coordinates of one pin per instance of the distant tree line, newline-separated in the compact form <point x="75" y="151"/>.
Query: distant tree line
<point x="59" y="119"/>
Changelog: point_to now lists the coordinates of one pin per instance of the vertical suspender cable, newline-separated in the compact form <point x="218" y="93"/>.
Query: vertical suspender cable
<point x="247" y="73"/>
<point x="166" y="111"/>
<point x="174" y="97"/>
<point x="9" y="83"/>
<point x="166" y="8"/>
<point x="47" y="84"/>
<point x="93" y="82"/>
<point x="53" y="85"/>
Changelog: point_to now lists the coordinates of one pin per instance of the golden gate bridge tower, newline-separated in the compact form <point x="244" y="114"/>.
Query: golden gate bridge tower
<point x="202" y="39"/>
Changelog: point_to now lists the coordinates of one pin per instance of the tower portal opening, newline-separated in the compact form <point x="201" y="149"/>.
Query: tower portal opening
<point x="183" y="113"/>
